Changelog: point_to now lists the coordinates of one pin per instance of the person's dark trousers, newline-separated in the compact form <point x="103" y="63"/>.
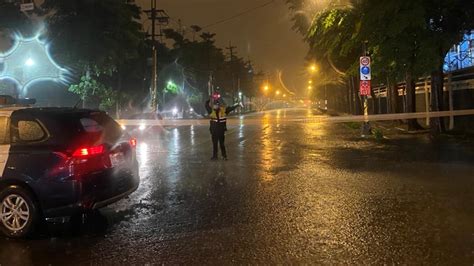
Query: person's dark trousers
<point x="218" y="139"/>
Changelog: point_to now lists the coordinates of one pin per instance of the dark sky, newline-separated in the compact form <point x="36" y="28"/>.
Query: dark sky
<point x="264" y="35"/>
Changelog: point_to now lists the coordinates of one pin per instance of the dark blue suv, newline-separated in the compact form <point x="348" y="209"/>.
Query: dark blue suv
<point x="58" y="162"/>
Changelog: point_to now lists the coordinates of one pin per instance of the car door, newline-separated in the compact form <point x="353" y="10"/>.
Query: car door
<point x="4" y="142"/>
<point x="28" y="156"/>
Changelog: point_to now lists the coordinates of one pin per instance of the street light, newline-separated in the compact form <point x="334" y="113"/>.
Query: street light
<point x="277" y="92"/>
<point x="313" y="68"/>
<point x="29" y="62"/>
<point x="310" y="82"/>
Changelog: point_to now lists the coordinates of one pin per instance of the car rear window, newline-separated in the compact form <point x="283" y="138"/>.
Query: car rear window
<point x="91" y="125"/>
<point x="111" y="129"/>
<point x="84" y="128"/>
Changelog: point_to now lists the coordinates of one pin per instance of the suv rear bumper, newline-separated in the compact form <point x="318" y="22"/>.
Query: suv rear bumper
<point x="98" y="191"/>
<point x="114" y="199"/>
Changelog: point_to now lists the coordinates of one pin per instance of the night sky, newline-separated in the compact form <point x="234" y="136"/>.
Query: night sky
<point x="264" y="35"/>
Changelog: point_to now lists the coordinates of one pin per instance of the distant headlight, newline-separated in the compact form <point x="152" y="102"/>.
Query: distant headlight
<point x="141" y="127"/>
<point x="123" y="127"/>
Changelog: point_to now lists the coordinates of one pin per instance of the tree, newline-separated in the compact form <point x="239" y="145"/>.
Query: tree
<point x="446" y="21"/>
<point x="195" y="62"/>
<point x="95" y="38"/>
<point x="396" y="44"/>
<point x="336" y="44"/>
<point x="407" y="39"/>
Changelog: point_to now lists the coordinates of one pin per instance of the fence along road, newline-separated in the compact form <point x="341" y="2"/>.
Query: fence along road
<point x="257" y="120"/>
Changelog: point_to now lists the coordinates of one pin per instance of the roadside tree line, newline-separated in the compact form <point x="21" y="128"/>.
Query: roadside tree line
<point x="406" y="40"/>
<point x="104" y="45"/>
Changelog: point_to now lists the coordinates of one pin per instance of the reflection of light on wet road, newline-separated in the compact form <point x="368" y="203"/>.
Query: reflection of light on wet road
<point x="191" y="135"/>
<point x="145" y="169"/>
<point x="266" y="151"/>
<point x="174" y="150"/>
<point x="314" y="130"/>
<point x="143" y="159"/>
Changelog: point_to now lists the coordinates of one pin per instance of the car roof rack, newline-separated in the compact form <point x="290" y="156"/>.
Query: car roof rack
<point x="10" y="101"/>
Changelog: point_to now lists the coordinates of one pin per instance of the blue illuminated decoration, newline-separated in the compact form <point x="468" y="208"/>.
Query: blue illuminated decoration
<point x="29" y="61"/>
<point x="461" y="55"/>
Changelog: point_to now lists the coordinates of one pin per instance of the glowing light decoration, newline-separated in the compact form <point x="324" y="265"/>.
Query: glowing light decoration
<point x="461" y="55"/>
<point x="29" y="61"/>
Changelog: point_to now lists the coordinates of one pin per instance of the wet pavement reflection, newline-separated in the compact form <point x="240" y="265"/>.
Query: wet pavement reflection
<point x="290" y="193"/>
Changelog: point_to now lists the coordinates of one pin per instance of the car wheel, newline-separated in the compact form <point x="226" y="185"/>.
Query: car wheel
<point x="18" y="212"/>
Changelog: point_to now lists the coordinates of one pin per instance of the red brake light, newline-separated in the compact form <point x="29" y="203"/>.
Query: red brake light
<point x="133" y="142"/>
<point x="82" y="152"/>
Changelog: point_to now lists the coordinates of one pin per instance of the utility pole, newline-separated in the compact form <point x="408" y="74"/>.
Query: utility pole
<point x="160" y="16"/>
<point x="231" y="52"/>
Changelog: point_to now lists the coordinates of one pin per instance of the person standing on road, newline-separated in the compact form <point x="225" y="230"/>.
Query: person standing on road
<point x="218" y="112"/>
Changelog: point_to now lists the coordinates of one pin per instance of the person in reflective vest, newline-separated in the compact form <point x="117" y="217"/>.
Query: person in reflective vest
<point x="218" y="112"/>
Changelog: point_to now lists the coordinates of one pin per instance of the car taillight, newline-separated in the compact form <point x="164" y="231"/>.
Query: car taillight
<point x="133" y="142"/>
<point x="89" y="151"/>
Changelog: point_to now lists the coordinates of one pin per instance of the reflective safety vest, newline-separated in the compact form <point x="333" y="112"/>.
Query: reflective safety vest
<point x="220" y="116"/>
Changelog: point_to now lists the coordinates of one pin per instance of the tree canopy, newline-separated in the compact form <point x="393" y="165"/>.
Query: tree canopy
<point x="407" y="39"/>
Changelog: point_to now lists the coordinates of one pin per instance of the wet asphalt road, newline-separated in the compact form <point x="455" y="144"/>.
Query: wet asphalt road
<point x="291" y="193"/>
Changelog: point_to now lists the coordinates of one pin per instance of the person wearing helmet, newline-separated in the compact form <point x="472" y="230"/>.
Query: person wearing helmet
<point x="218" y="112"/>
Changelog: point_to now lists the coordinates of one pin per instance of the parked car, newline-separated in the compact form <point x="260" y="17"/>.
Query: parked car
<point x="58" y="162"/>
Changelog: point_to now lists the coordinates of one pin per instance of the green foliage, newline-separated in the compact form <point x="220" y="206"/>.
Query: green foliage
<point x="301" y="20"/>
<point x="378" y="133"/>
<point x="93" y="35"/>
<point x="353" y="125"/>
<point x="101" y="40"/>
<point x="89" y="87"/>
<point x="402" y="36"/>
<point x="193" y="61"/>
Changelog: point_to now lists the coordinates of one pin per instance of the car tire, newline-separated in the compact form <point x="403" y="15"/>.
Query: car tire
<point x="18" y="212"/>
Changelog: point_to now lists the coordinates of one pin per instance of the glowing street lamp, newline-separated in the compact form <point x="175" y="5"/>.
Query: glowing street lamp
<point x="29" y="62"/>
<point x="277" y="92"/>
<point x="313" y="68"/>
<point x="310" y="82"/>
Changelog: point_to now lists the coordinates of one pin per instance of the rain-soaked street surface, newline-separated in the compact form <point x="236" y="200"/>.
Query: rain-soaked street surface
<point x="290" y="193"/>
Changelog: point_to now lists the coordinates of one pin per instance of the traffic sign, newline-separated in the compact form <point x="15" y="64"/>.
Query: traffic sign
<point x="365" y="87"/>
<point x="27" y="7"/>
<point x="365" y="70"/>
<point x="365" y="61"/>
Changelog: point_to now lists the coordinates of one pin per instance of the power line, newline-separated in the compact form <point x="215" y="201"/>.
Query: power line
<point x="239" y="14"/>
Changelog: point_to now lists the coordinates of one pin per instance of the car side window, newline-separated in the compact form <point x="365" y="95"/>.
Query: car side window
<point x="29" y="131"/>
<point x="4" y="132"/>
